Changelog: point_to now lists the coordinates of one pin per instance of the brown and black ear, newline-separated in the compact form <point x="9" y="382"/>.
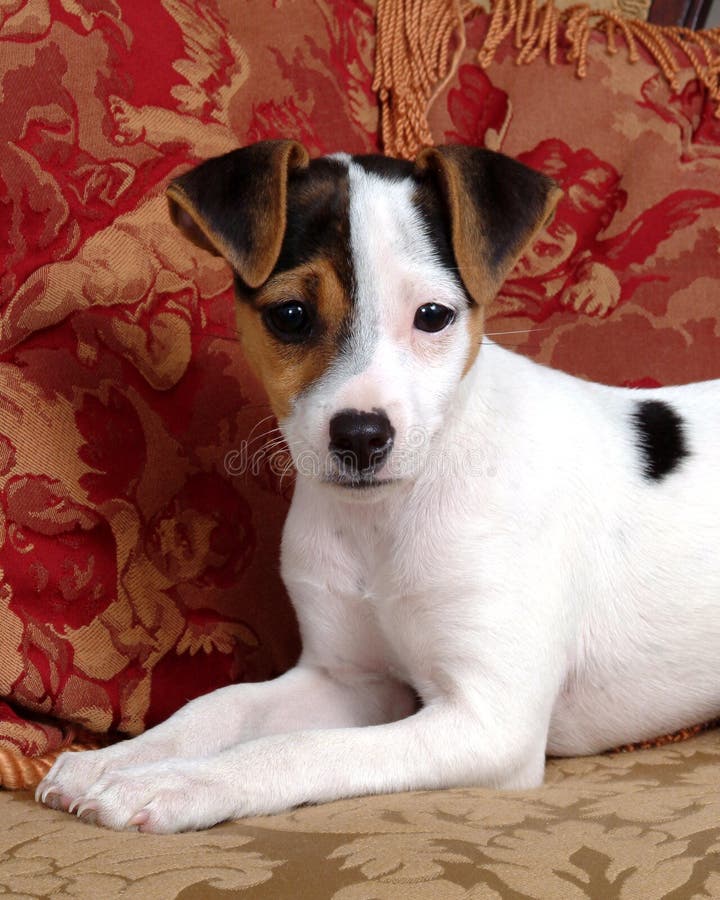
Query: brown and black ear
<point x="496" y="207"/>
<point x="235" y="205"/>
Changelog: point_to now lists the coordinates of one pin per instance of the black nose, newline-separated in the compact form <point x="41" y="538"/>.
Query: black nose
<point x="361" y="440"/>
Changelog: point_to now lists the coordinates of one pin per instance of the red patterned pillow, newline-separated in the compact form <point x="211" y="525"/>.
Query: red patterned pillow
<point x="138" y="548"/>
<point x="623" y="287"/>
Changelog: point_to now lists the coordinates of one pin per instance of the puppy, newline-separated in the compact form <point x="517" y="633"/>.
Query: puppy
<point x="489" y="560"/>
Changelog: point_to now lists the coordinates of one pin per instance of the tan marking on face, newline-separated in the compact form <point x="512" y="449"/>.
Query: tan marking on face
<point x="286" y="370"/>
<point x="476" y="327"/>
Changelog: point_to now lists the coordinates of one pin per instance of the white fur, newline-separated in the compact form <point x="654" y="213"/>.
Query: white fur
<point x="524" y="578"/>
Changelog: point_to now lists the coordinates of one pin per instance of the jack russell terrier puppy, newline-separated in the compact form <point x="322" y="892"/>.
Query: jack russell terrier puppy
<point x="490" y="560"/>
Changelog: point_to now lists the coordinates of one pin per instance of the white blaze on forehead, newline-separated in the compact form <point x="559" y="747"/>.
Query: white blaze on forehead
<point x="388" y="237"/>
<point x="395" y="263"/>
<point x="396" y="269"/>
<point x="384" y="362"/>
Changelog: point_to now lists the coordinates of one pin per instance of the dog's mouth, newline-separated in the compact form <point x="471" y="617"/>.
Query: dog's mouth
<point x="359" y="482"/>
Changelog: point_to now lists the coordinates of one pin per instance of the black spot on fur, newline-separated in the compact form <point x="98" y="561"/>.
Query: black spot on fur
<point x="661" y="437"/>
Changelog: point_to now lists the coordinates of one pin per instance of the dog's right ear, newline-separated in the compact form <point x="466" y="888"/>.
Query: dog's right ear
<point x="235" y="205"/>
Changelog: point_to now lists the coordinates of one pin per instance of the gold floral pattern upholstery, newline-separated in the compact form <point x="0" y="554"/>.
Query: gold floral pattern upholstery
<point x="138" y="560"/>
<point x="630" y="826"/>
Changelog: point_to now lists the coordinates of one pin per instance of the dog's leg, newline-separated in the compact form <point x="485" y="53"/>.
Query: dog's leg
<point x="304" y="698"/>
<point x="444" y="744"/>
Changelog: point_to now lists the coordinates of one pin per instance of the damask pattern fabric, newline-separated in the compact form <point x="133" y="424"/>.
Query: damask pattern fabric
<point x="140" y="514"/>
<point x="138" y="544"/>
<point x="637" y="825"/>
<point x="622" y="287"/>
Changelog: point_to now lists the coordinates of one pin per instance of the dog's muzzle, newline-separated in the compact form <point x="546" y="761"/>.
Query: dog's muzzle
<point x="360" y="441"/>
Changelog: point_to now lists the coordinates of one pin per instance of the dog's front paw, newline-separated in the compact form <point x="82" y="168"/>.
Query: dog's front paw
<point x="73" y="773"/>
<point x="166" y="797"/>
<point x="70" y="775"/>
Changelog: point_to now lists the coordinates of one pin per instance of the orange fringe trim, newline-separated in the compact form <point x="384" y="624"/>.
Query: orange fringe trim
<point x="415" y="57"/>
<point x="414" y="60"/>
<point x="21" y="773"/>
<point x="675" y="738"/>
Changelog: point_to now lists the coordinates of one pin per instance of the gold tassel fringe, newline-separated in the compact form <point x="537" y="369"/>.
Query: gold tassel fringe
<point x="414" y="60"/>
<point x="419" y="44"/>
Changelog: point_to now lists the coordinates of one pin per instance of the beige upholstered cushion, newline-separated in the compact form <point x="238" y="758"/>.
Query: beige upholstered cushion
<point x="632" y="826"/>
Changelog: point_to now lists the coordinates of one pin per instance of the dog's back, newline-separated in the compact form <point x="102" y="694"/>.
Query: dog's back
<point x="631" y="497"/>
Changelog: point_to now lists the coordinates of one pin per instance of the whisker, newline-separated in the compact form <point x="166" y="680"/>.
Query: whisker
<point x="260" y="422"/>
<point x="288" y="468"/>
<point x="515" y="331"/>
<point x="275" y="448"/>
<point x="266" y="435"/>
<point x="269" y="444"/>
<point x="270" y="450"/>
<point x="229" y="335"/>
<point x="233" y="335"/>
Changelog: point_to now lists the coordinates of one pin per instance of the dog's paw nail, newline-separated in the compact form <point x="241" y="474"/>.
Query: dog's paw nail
<point x="139" y="819"/>
<point x="49" y="794"/>
<point x="87" y="812"/>
<point x="89" y="806"/>
<point x="76" y="805"/>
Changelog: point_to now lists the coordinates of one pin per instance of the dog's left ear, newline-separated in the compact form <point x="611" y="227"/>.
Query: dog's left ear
<point x="496" y="207"/>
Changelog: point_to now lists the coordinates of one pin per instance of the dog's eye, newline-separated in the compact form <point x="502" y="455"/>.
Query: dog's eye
<point x="289" y="321"/>
<point x="433" y="317"/>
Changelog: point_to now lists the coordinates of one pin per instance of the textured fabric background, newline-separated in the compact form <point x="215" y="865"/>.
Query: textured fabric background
<point x="138" y="565"/>
<point x="623" y="287"/>
<point x="135" y="571"/>
<point x="638" y="826"/>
